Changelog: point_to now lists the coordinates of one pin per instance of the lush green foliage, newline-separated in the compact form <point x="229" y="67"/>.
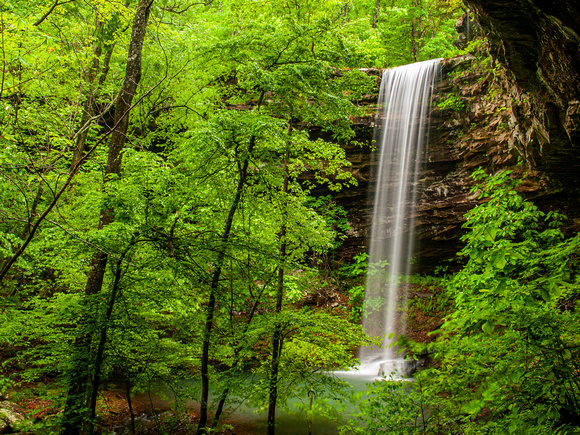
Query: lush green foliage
<point x="390" y="407"/>
<point x="510" y="350"/>
<point x="219" y="171"/>
<point x="405" y="31"/>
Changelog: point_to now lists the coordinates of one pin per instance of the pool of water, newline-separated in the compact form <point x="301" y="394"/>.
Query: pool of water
<point x="246" y="419"/>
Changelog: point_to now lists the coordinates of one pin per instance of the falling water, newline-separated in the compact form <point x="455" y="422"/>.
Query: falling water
<point x="401" y="129"/>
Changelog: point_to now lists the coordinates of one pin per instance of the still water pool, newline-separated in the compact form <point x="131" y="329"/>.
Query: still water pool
<point x="247" y="420"/>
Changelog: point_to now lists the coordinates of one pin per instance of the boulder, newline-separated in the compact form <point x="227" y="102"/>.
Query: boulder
<point x="9" y="417"/>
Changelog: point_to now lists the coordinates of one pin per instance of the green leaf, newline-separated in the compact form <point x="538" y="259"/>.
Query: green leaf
<point x="488" y="327"/>
<point x="516" y="376"/>
<point x="501" y="260"/>
<point x="515" y="425"/>
<point x="489" y="233"/>
<point x="489" y="393"/>
<point x="472" y="407"/>
<point x="545" y="295"/>
<point x="556" y="291"/>
<point x="488" y="268"/>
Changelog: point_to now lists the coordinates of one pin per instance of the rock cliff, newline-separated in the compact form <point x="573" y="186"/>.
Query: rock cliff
<point x="538" y="41"/>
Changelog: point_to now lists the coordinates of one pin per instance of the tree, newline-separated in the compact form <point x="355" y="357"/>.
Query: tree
<point x="277" y="72"/>
<point x="77" y="391"/>
<point x="403" y="32"/>
<point x="376" y="16"/>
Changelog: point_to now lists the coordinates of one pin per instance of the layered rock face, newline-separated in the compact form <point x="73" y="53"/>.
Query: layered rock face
<point x="539" y="43"/>
<point x="444" y="183"/>
<point x="510" y="105"/>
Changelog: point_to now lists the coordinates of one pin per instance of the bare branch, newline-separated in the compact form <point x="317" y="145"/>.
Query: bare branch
<point x="52" y="8"/>
<point x="173" y="9"/>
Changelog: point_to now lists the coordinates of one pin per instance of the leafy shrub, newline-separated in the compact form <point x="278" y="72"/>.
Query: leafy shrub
<point x="389" y="407"/>
<point x="451" y="102"/>
<point x="511" y="350"/>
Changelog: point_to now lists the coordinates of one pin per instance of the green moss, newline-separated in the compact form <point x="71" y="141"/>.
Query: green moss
<point x="451" y="102"/>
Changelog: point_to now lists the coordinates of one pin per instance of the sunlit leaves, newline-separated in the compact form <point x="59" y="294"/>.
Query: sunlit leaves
<point x="390" y="43"/>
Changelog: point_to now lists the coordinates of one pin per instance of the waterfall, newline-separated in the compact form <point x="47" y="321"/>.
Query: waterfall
<point x="401" y="129"/>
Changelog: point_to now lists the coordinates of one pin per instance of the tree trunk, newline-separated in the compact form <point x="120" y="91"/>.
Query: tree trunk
<point x="345" y="12"/>
<point x="310" y="403"/>
<point x="203" y="402"/>
<point x="277" y="342"/>
<point x="90" y="102"/>
<point x="99" y="357"/>
<point x="37" y="198"/>
<point x="226" y="390"/>
<point x="277" y="339"/>
<point x="376" y="17"/>
<point x="213" y="290"/>
<point x="413" y="42"/>
<point x="415" y="32"/>
<point x="130" y="403"/>
<point x="78" y="384"/>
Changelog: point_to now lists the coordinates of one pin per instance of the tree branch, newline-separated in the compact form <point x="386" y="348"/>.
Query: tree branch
<point x="52" y="8"/>
<point x="173" y="10"/>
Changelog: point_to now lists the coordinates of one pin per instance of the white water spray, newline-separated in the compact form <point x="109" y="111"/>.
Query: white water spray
<point x="401" y="129"/>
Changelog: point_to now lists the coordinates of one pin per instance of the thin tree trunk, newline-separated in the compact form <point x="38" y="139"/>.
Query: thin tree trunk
<point x="277" y="342"/>
<point x="277" y="339"/>
<point x="130" y="403"/>
<point x="101" y="350"/>
<point x="90" y="102"/>
<point x="213" y="290"/>
<point x="345" y="12"/>
<point x="376" y="17"/>
<point x="310" y="403"/>
<point x="32" y="213"/>
<point x="415" y="32"/>
<point x="99" y="357"/>
<point x="237" y="350"/>
<point x="78" y="384"/>
<point x="413" y="41"/>
<point x="203" y="402"/>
